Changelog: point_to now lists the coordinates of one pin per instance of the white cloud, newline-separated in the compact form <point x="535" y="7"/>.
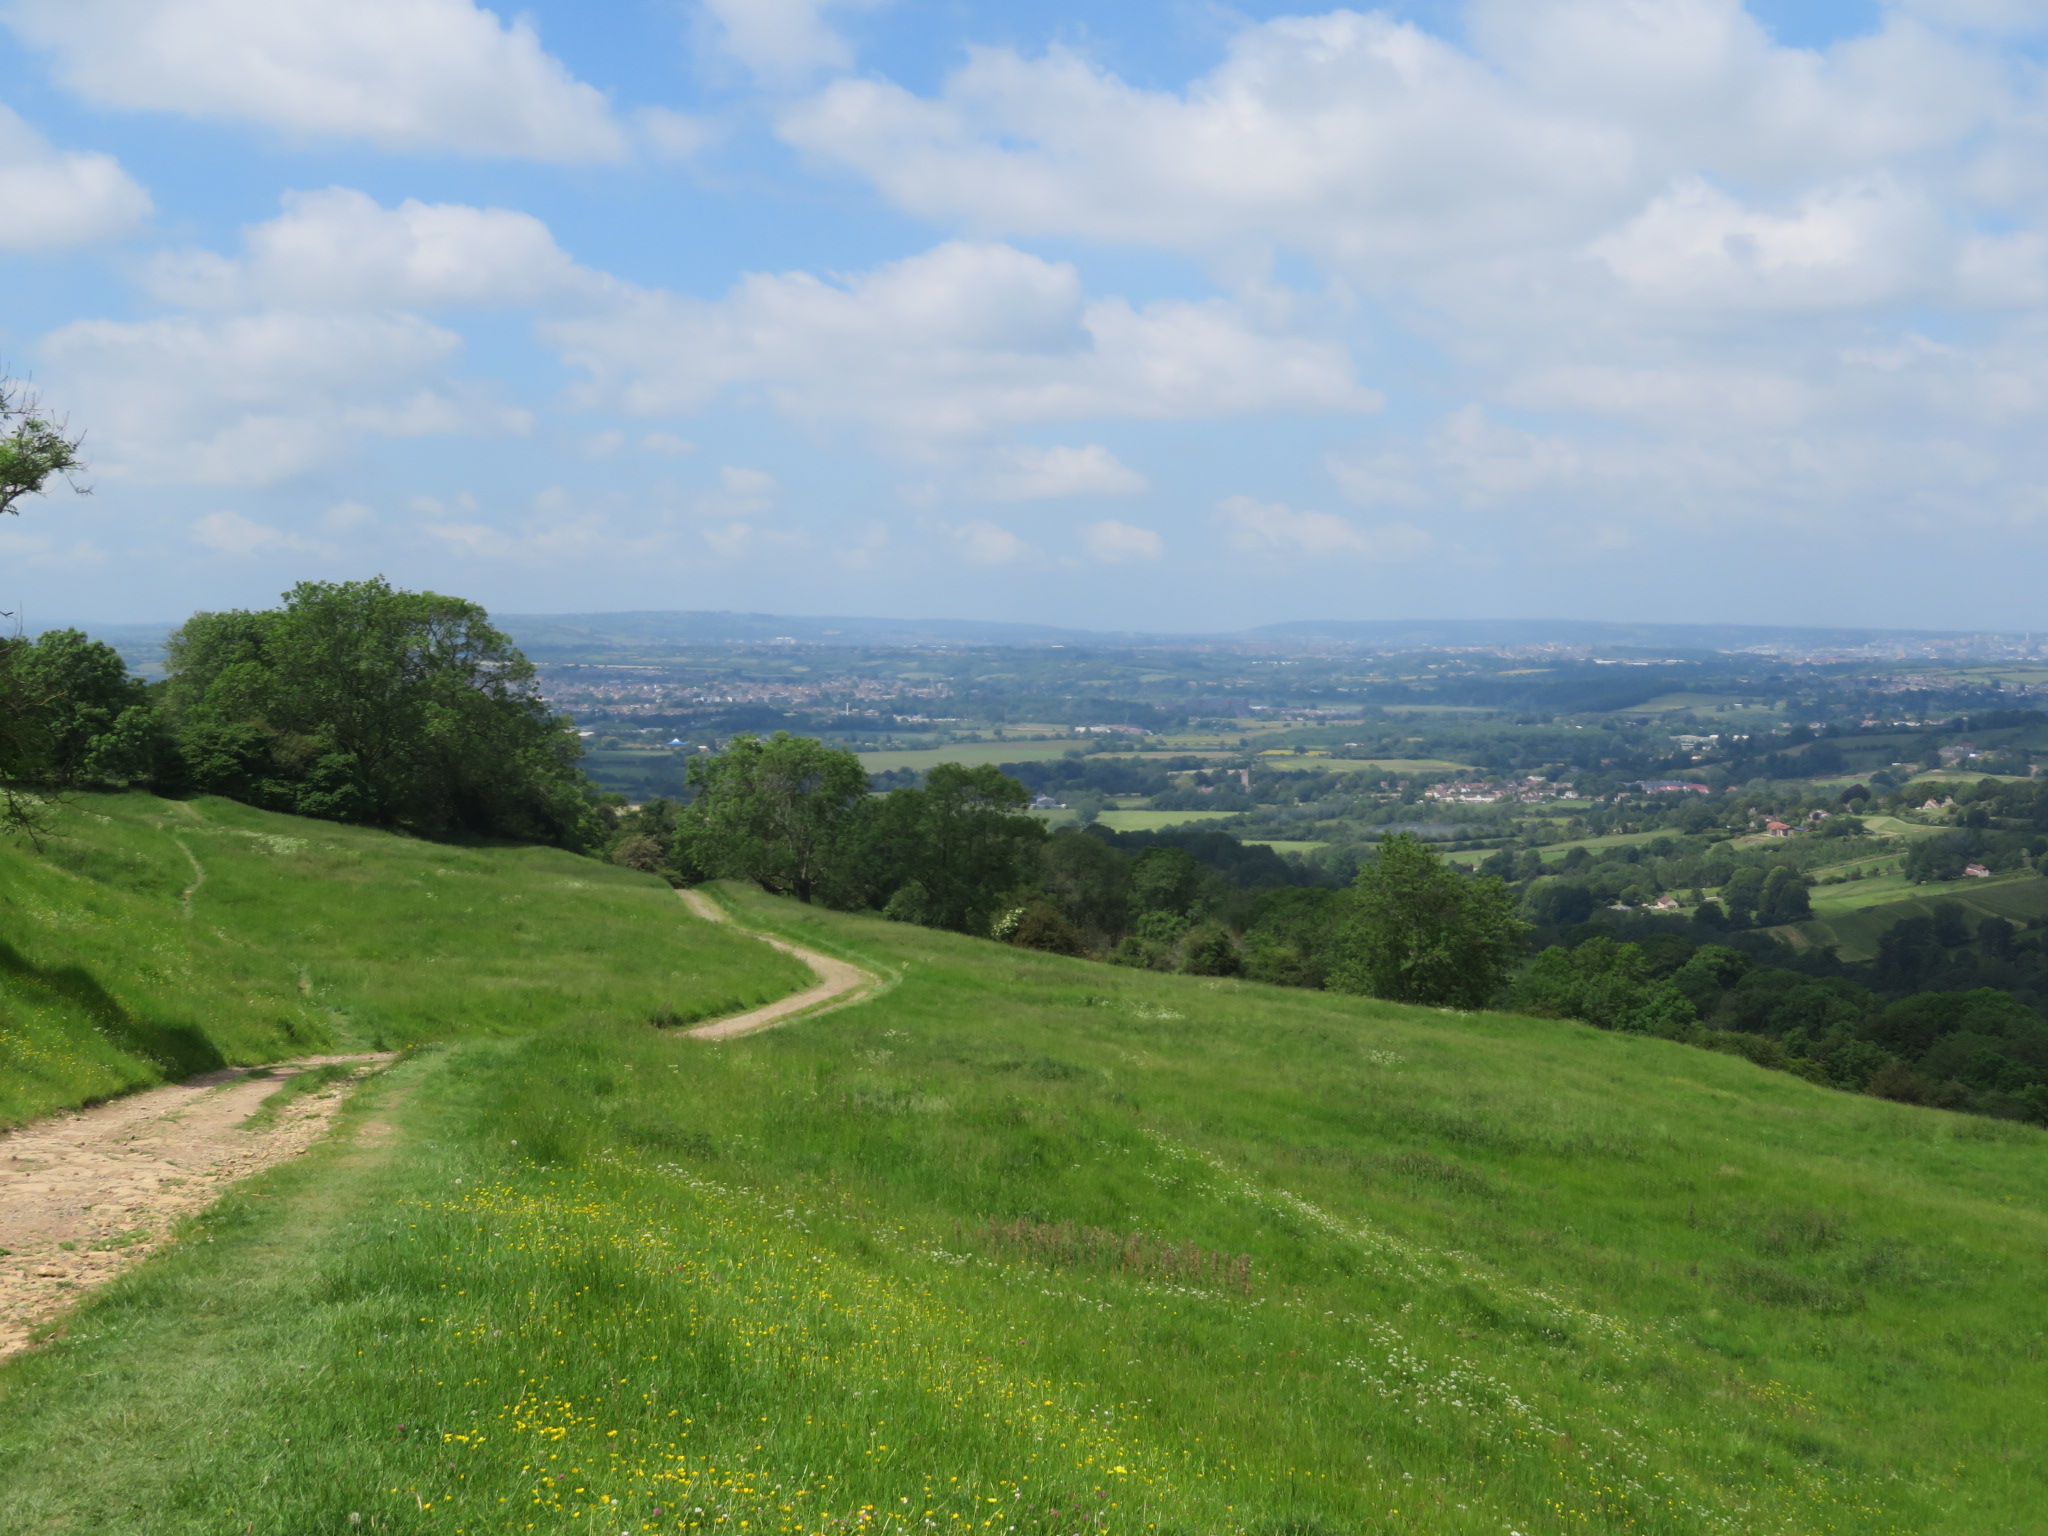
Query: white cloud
<point x="672" y="135"/>
<point x="1847" y="245"/>
<point x="602" y="445"/>
<point x="1027" y="473"/>
<point x="782" y="41"/>
<point x="422" y="75"/>
<point x="251" y="400"/>
<point x="666" y="443"/>
<point x="960" y="342"/>
<point x="742" y="492"/>
<point x="52" y="199"/>
<point x="1269" y="527"/>
<point x="339" y="249"/>
<point x="984" y="543"/>
<point x="230" y="533"/>
<point x="1116" y="543"/>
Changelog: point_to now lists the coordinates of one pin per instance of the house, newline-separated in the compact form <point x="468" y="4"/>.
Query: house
<point x="1776" y="829"/>
<point x="1670" y="787"/>
<point x="1047" y="803"/>
<point x="1976" y="872"/>
<point x="1665" y="904"/>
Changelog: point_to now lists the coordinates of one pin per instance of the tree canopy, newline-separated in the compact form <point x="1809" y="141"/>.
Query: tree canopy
<point x="355" y="701"/>
<point x="1421" y="932"/>
<point x="781" y="812"/>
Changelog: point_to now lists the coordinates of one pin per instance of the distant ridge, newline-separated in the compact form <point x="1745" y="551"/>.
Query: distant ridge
<point x="548" y="636"/>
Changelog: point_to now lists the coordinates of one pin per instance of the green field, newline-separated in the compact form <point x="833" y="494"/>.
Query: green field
<point x="1852" y="917"/>
<point x="1283" y="844"/>
<point x="1025" y="1244"/>
<point x="155" y="938"/>
<point x="972" y="754"/>
<point x="1154" y="821"/>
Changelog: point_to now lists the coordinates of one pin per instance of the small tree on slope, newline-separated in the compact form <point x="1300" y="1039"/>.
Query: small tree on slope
<point x="1419" y="931"/>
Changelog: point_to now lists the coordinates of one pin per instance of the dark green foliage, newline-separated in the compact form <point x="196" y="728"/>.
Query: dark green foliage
<point x="95" y="721"/>
<point x="962" y="838"/>
<point x="782" y="813"/>
<point x="359" y="702"/>
<point x="1418" y="931"/>
<point x="1605" y="984"/>
<point x="1211" y="951"/>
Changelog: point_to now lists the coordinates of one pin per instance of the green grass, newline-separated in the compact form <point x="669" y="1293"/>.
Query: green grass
<point x="1154" y="821"/>
<point x="865" y="1272"/>
<point x="1284" y="844"/>
<point x="1853" y="917"/>
<point x="971" y="754"/>
<point x="155" y="938"/>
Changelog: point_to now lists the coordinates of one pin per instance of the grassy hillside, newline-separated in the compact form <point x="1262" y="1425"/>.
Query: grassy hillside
<point x="1854" y="922"/>
<point x="1033" y="1245"/>
<point x="152" y="939"/>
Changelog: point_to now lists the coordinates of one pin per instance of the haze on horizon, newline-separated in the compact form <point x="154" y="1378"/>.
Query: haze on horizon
<point x="1160" y="316"/>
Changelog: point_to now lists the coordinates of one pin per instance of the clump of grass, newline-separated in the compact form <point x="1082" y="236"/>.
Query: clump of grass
<point x="1063" y="1245"/>
<point x="298" y="1086"/>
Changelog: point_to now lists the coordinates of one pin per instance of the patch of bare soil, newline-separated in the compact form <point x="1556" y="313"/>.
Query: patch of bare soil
<point x="837" y="981"/>
<point x="85" y="1196"/>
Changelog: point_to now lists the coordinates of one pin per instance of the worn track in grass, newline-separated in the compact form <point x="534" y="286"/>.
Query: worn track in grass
<point x="837" y="980"/>
<point x="87" y="1195"/>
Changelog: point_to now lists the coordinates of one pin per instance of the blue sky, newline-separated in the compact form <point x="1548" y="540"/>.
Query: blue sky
<point x="1170" y="315"/>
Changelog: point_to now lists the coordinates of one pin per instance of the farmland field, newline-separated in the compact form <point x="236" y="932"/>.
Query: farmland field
<point x="1154" y="821"/>
<point x="972" y="754"/>
<point x="1853" y="927"/>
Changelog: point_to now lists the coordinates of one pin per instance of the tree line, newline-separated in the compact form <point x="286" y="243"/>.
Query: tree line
<point x="351" y="701"/>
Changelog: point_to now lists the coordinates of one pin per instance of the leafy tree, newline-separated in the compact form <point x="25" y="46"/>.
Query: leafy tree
<point x="359" y="702"/>
<point x="1169" y="880"/>
<point x="1783" y="898"/>
<point x="81" y="691"/>
<point x="963" y="838"/>
<point x="1089" y="880"/>
<point x="1211" y="951"/>
<point x="1418" y="931"/>
<point x="1605" y="984"/>
<point x="780" y="812"/>
<point x="1740" y="895"/>
<point x="33" y="450"/>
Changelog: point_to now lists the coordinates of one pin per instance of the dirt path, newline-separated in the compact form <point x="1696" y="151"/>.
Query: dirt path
<point x="87" y="1195"/>
<point x="836" y="980"/>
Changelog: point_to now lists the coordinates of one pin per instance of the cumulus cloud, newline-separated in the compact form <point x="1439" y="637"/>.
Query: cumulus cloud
<point x="255" y="399"/>
<point x="1116" y="543"/>
<point x="420" y="75"/>
<point x="985" y="543"/>
<point x="782" y="41"/>
<point x="340" y="249"/>
<point x="960" y="342"/>
<point x="230" y="533"/>
<point x="1376" y="145"/>
<point x="1026" y="473"/>
<point x="51" y="199"/>
<point x="1272" y="528"/>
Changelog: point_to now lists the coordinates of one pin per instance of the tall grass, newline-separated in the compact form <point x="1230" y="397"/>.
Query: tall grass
<point x="153" y="939"/>
<point x="1500" y="1275"/>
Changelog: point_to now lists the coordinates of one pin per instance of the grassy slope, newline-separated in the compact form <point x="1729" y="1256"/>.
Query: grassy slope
<point x="1506" y="1275"/>
<point x="1852" y="918"/>
<point x="300" y="936"/>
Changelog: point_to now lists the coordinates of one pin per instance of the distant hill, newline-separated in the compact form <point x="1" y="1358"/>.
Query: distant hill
<point x="546" y="636"/>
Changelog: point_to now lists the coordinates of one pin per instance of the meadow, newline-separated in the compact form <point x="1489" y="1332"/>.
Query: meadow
<point x="972" y="754"/>
<point x="1026" y="1244"/>
<point x="151" y="939"/>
